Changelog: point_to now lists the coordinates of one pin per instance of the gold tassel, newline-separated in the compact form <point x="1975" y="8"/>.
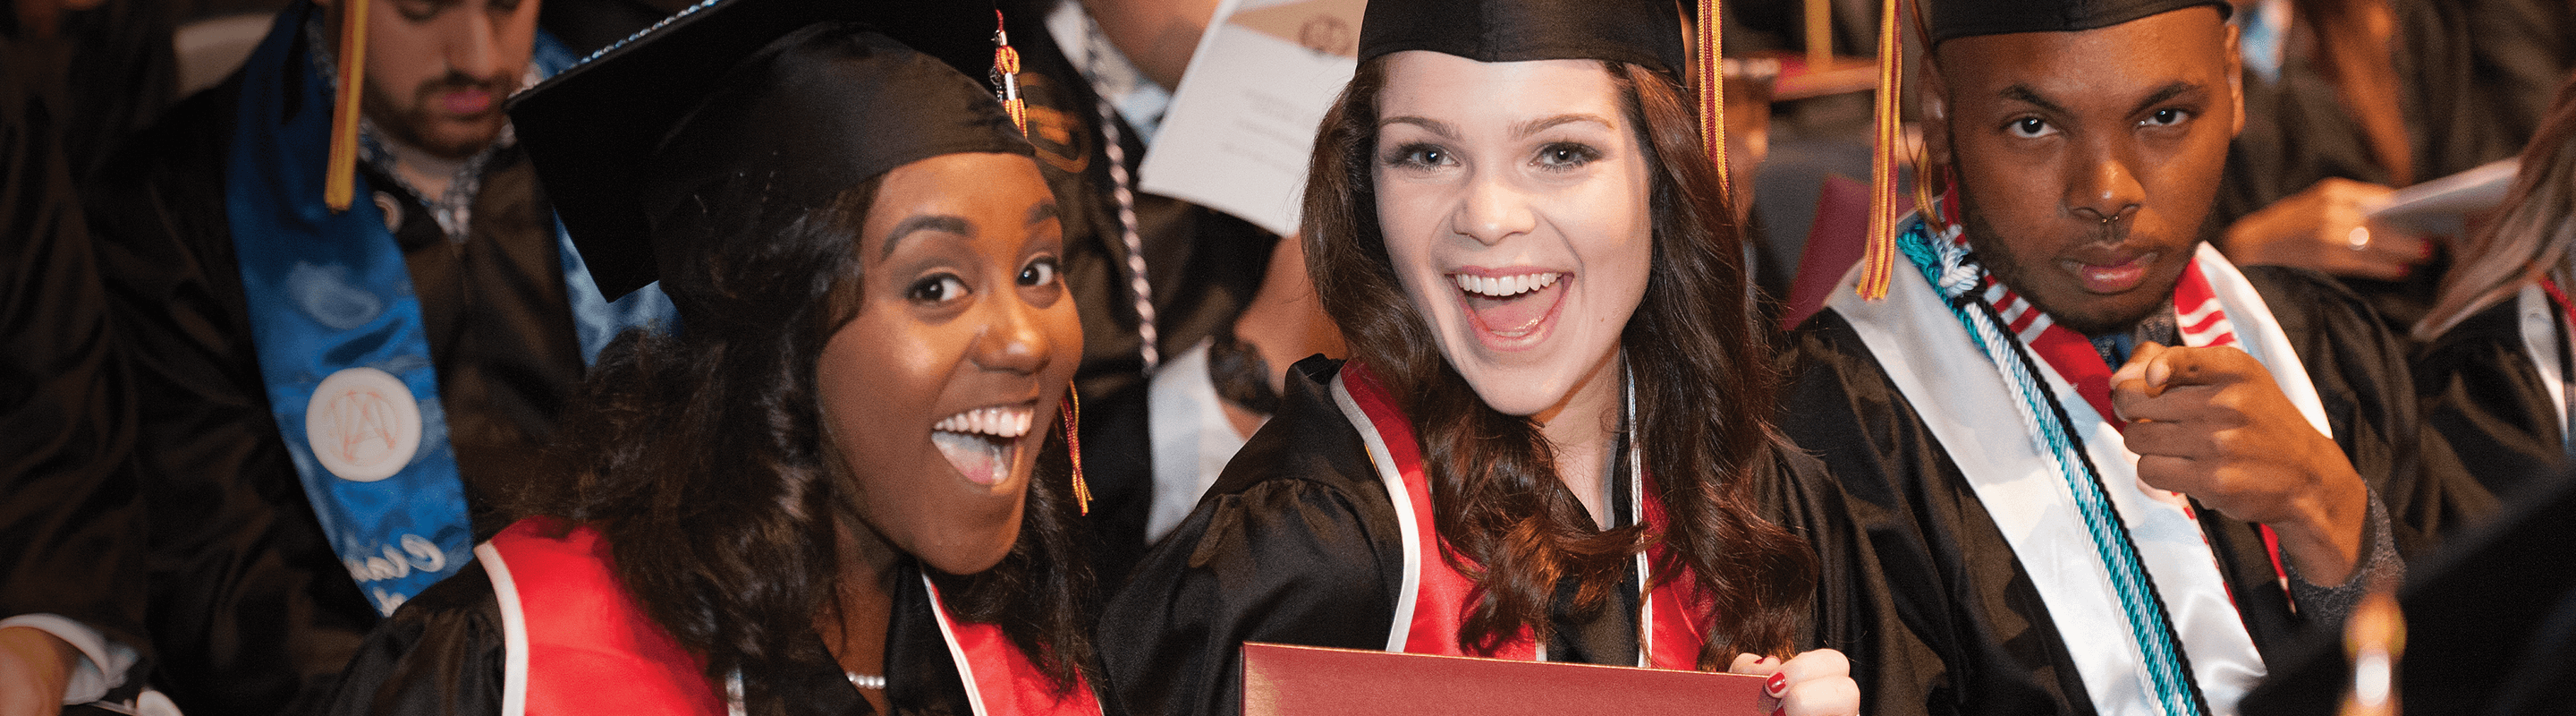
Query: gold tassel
<point x="1006" y="71"/>
<point x="1711" y="77"/>
<point x="1073" y="445"/>
<point x="1878" y="263"/>
<point x="339" y="180"/>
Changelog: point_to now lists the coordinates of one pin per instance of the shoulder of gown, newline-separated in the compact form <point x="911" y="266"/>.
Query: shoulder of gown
<point x="2481" y="395"/>
<point x="1296" y="543"/>
<point x="2361" y="373"/>
<point x="441" y="653"/>
<point x="1952" y="576"/>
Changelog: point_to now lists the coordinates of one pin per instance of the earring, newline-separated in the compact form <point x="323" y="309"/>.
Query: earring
<point x="1073" y="444"/>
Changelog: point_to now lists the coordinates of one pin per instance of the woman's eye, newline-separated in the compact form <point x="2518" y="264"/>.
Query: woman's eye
<point x="1039" y="273"/>
<point x="2030" y="127"/>
<point x="1417" y="156"/>
<point x="2166" y="118"/>
<point x="937" y="289"/>
<point x="1566" y="155"/>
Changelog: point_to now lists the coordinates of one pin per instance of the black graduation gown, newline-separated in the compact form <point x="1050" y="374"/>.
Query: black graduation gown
<point x="1298" y="543"/>
<point x="251" y="612"/>
<point x="442" y="654"/>
<point x="71" y="534"/>
<point x="2482" y="396"/>
<point x="1204" y="267"/>
<point x="1958" y="583"/>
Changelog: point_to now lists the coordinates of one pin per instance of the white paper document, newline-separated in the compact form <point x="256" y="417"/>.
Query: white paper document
<point x="1243" y="122"/>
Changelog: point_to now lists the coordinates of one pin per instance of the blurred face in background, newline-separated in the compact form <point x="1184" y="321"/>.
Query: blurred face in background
<point x="438" y="70"/>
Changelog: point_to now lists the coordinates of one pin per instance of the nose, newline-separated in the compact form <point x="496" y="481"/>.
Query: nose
<point x="1492" y="209"/>
<point x="475" y="50"/>
<point x="1014" y="338"/>
<point x="2103" y="186"/>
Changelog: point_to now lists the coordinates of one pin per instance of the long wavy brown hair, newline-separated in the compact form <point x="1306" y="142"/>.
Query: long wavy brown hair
<point x="700" y="456"/>
<point x="2529" y="238"/>
<point x="1698" y="360"/>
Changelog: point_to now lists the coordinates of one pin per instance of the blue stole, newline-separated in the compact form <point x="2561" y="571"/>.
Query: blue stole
<point x="338" y="331"/>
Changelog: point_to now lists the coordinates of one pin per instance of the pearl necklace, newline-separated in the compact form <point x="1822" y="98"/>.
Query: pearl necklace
<point x="866" y="682"/>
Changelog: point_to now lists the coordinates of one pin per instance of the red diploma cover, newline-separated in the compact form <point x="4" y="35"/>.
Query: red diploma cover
<point x="1282" y="680"/>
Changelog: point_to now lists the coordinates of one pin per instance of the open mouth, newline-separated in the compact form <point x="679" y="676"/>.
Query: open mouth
<point x="1510" y="307"/>
<point x="983" y="443"/>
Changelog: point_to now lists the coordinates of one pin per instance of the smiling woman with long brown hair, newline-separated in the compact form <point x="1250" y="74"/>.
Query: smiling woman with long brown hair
<point x="838" y="487"/>
<point x="1552" y="439"/>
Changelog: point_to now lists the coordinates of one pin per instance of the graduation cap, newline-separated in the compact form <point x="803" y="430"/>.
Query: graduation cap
<point x="1962" y="18"/>
<point x="1646" y="33"/>
<point x="809" y="96"/>
<point x="1951" y="19"/>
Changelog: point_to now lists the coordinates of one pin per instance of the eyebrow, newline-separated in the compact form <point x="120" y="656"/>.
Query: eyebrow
<point x="919" y="223"/>
<point x="1524" y="129"/>
<point x="1435" y="126"/>
<point x="1520" y="130"/>
<point x="1043" y="211"/>
<point x="2024" y="93"/>
<point x="2171" y="90"/>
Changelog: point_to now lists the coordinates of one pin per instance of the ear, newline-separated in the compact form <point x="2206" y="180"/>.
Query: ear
<point x="1935" y="95"/>
<point x="2235" y="82"/>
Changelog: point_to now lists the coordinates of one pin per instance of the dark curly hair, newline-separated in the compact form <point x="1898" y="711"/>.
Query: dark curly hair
<point x="1698" y="359"/>
<point x="700" y="455"/>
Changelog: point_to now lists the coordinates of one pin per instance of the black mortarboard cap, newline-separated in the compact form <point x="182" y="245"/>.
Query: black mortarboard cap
<point x="811" y="96"/>
<point x="1963" y="18"/>
<point x="1639" y="32"/>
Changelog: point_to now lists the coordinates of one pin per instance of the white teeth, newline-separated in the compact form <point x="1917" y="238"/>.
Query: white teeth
<point x="1001" y="422"/>
<point x="1505" y="286"/>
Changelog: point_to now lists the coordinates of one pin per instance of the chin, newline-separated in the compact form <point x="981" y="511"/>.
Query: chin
<point x="1518" y="396"/>
<point x="2108" y="315"/>
<point x="968" y="558"/>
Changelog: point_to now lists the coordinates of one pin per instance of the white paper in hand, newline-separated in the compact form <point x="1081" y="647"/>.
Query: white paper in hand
<point x="1243" y="122"/>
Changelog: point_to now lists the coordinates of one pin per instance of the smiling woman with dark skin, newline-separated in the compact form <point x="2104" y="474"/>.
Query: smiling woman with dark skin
<point x="840" y="486"/>
<point x="2119" y="471"/>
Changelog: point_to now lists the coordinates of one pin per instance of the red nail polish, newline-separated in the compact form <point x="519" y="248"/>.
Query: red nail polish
<point x="1779" y="684"/>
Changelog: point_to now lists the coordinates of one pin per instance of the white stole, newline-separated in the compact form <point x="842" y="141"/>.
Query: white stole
<point x="1935" y="364"/>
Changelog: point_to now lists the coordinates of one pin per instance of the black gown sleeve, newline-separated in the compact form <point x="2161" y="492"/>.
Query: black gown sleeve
<point x="2360" y="371"/>
<point x="70" y="520"/>
<point x="1855" y="610"/>
<point x="2482" y="396"/>
<point x="441" y="653"/>
<point x="1296" y="543"/>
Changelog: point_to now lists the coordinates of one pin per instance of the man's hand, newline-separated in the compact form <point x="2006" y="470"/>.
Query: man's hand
<point x="2325" y="228"/>
<point x="1816" y="683"/>
<point x="2212" y="424"/>
<point x="35" y="667"/>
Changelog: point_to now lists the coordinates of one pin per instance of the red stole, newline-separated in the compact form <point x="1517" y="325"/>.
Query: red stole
<point x="1671" y="638"/>
<point x="576" y="642"/>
